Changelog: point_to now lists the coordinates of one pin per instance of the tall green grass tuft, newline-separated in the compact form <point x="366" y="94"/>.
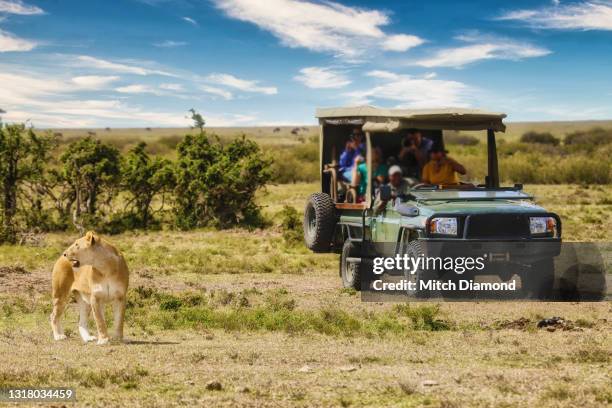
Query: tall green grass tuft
<point x="272" y="311"/>
<point x="423" y="317"/>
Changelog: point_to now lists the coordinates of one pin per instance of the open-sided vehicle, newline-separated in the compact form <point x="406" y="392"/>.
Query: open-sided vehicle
<point x="500" y="221"/>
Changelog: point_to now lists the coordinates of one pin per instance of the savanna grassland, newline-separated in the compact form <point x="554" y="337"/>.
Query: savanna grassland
<point x="243" y="317"/>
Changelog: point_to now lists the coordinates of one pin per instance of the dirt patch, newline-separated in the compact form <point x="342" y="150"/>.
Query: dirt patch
<point x="12" y="270"/>
<point x="16" y="279"/>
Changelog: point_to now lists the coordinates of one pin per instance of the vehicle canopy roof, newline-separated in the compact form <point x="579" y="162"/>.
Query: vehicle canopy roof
<point x="373" y="119"/>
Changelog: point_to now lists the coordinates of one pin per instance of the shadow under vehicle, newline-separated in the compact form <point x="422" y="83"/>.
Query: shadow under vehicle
<point x="516" y="236"/>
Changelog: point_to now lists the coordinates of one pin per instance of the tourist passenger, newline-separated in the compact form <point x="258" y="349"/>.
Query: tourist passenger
<point x="399" y="187"/>
<point x="441" y="169"/>
<point x="379" y="172"/>
<point x="354" y="152"/>
<point x="414" y="153"/>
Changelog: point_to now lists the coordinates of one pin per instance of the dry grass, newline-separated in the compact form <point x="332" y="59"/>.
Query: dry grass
<point x="269" y="321"/>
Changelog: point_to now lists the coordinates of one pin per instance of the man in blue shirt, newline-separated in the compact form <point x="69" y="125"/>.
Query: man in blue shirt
<point x="353" y="154"/>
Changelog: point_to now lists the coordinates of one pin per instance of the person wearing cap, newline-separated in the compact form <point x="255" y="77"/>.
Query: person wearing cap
<point x="353" y="154"/>
<point x="441" y="169"/>
<point x="399" y="186"/>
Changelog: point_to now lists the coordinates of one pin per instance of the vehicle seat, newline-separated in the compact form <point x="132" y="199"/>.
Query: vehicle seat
<point x="339" y="189"/>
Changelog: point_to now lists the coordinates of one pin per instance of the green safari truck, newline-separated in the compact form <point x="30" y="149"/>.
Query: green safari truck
<point x="480" y="217"/>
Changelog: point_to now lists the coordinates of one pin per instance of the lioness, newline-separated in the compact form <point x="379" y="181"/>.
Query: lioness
<point x="98" y="272"/>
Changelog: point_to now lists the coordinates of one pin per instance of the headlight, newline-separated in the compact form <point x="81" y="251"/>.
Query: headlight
<point x="443" y="226"/>
<point x="543" y="226"/>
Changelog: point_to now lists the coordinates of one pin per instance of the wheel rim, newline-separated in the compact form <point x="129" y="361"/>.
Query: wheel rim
<point x="312" y="222"/>
<point x="349" y="271"/>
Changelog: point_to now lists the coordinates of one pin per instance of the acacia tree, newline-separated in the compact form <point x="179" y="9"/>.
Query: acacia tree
<point x="22" y="158"/>
<point x="198" y="120"/>
<point x="144" y="178"/>
<point x="91" y="168"/>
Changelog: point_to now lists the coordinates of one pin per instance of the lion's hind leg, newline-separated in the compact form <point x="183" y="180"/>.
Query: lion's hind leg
<point x="61" y="284"/>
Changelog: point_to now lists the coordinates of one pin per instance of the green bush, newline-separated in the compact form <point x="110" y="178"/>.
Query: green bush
<point x="216" y="184"/>
<point x="23" y="156"/>
<point x="291" y="224"/>
<point x="589" y="138"/>
<point x="91" y="168"/>
<point x="540" y="138"/>
<point x="144" y="178"/>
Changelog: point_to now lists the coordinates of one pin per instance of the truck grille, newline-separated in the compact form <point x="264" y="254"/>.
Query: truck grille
<point x="497" y="226"/>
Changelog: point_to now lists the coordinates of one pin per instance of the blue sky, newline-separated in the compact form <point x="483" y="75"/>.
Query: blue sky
<point x="134" y="63"/>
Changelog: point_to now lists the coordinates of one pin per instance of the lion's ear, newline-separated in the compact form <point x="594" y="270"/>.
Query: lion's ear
<point x="91" y="237"/>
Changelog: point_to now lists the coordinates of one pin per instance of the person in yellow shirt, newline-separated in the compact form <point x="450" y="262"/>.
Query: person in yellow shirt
<point x="441" y="169"/>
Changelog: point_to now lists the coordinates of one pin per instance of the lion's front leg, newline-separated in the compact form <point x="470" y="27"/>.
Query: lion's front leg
<point x="97" y="305"/>
<point x="84" y="311"/>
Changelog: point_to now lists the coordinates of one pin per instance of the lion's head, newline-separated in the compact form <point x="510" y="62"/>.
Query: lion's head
<point x="82" y="251"/>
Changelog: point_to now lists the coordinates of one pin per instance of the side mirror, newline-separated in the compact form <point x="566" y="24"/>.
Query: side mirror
<point x="385" y="193"/>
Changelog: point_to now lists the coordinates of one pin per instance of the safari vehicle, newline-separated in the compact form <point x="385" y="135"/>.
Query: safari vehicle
<point x="481" y="218"/>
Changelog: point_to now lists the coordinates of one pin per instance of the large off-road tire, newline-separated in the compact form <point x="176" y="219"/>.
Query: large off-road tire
<point x="350" y="272"/>
<point x="538" y="281"/>
<point x="319" y="222"/>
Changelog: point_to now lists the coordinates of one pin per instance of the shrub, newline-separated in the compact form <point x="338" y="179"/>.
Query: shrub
<point x="91" y="168"/>
<point x="216" y="184"/>
<point x="144" y="178"/>
<point x="291" y="223"/>
<point x="540" y="138"/>
<point x="589" y="138"/>
<point x="23" y="156"/>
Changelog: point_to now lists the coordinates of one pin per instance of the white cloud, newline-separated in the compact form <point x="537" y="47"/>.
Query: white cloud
<point x="19" y="7"/>
<point x="482" y="48"/>
<point x="137" y="89"/>
<point x="170" y="44"/>
<point x="320" y="26"/>
<point x="401" y="42"/>
<point x="10" y="42"/>
<point x="244" y="85"/>
<point x="51" y="101"/>
<point x="171" y="87"/>
<point x="227" y="95"/>
<point x="190" y="20"/>
<point x="586" y="15"/>
<point x="93" y="81"/>
<point x="97" y="63"/>
<point x="382" y="74"/>
<point x="18" y="88"/>
<point x="322" y="78"/>
<point x="412" y="92"/>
